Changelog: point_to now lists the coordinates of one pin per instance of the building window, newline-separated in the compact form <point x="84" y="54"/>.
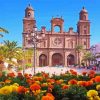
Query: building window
<point x="84" y="42"/>
<point x="44" y="44"/>
<point x="71" y="44"/>
<point x="85" y="32"/>
<point x="84" y="27"/>
<point x="84" y="17"/>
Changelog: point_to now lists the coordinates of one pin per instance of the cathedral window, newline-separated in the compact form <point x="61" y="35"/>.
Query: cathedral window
<point x="84" y="17"/>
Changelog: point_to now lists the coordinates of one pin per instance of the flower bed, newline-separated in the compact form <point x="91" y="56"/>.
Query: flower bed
<point x="67" y="86"/>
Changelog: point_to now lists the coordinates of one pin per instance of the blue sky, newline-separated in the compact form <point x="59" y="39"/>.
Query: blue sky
<point x="12" y="13"/>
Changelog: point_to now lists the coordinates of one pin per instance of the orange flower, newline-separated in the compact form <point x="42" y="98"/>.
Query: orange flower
<point x="39" y="78"/>
<point x="0" y="74"/>
<point x="35" y="87"/>
<point x="65" y="87"/>
<point x="26" y="76"/>
<point x="49" y="96"/>
<point x="82" y="83"/>
<point x="44" y="85"/>
<point x="29" y="81"/>
<point x="51" y="81"/>
<point x="21" y="89"/>
<point x="97" y="79"/>
<point x="92" y="79"/>
<point x="72" y="82"/>
<point x="58" y="82"/>
<point x="50" y="86"/>
<point x="7" y="81"/>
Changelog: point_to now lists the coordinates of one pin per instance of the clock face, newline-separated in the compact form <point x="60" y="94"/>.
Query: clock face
<point x="57" y="41"/>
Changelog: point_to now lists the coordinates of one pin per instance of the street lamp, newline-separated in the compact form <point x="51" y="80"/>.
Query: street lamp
<point x="35" y="38"/>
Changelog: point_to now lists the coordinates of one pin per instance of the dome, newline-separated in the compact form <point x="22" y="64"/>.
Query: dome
<point x="29" y="7"/>
<point x="83" y="10"/>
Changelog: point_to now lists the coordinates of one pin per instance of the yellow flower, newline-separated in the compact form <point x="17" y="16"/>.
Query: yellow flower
<point x="14" y="88"/>
<point x="92" y="93"/>
<point x="96" y="98"/>
<point x="38" y="82"/>
<point x="61" y="80"/>
<point x="36" y="92"/>
<point x="16" y="84"/>
<point x="6" y="90"/>
<point x="98" y="87"/>
<point x="91" y="98"/>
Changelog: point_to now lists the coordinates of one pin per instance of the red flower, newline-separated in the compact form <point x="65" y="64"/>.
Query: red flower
<point x="91" y="75"/>
<point x="72" y="82"/>
<point x="73" y="72"/>
<point x="19" y="75"/>
<point x="89" y="83"/>
<point x="11" y="75"/>
<point x="65" y="87"/>
<point x="84" y="73"/>
<point x="35" y="87"/>
<point x="92" y="72"/>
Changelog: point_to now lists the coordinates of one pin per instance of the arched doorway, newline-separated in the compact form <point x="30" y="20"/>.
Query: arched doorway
<point x="57" y="59"/>
<point x="43" y="60"/>
<point x="70" y="59"/>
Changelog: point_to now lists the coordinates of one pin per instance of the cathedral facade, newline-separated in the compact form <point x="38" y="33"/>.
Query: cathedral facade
<point x="59" y="48"/>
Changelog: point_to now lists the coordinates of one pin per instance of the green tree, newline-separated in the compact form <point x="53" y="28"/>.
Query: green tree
<point x="9" y="51"/>
<point x="88" y="56"/>
<point x="24" y="55"/>
<point x="79" y="49"/>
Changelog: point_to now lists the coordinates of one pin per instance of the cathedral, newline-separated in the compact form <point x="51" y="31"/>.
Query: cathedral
<point x="58" y="48"/>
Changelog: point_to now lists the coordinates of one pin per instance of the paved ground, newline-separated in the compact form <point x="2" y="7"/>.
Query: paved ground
<point x="56" y="70"/>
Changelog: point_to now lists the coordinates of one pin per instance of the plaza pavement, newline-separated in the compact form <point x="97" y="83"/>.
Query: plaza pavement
<point x="55" y="70"/>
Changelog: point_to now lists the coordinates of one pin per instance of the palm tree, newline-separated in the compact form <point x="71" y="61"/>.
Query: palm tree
<point x="3" y="30"/>
<point x="88" y="56"/>
<point x="9" y="51"/>
<point x="79" y="49"/>
<point x="24" y="55"/>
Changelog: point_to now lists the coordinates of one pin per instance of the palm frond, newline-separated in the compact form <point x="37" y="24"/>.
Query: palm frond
<point x="3" y="30"/>
<point x="1" y="35"/>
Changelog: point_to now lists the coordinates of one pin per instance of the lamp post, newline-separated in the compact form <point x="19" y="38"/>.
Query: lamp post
<point x="35" y="38"/>
<point x="23" y="60"/>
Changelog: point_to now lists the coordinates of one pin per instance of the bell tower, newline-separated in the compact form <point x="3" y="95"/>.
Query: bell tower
<point x="83" y="26"/>
<point x="83" y="29"/>
<point x="29" y="23"/>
